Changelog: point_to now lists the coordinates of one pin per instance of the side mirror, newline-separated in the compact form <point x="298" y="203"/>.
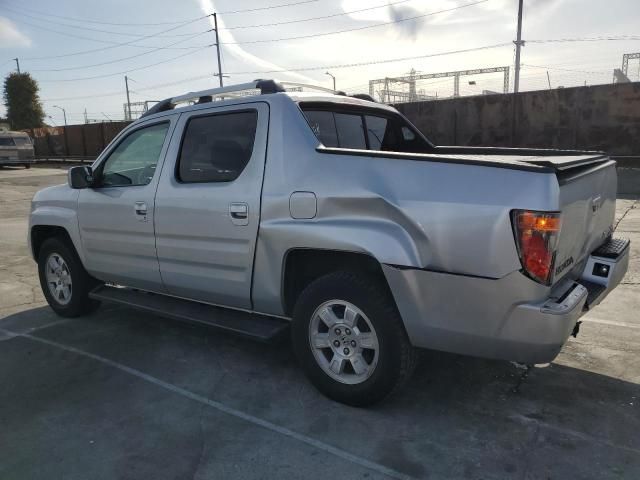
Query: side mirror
<point x="80" y="177"/>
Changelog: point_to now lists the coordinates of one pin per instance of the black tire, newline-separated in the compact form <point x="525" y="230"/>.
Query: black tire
<point x="27" y="166"/>
<point x="396" y="356"/>
<point x="81" y="282"/>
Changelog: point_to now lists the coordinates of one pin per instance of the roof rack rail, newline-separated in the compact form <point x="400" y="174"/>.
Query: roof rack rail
<point x="266" y="86"/>
<point x="204" y="96"/>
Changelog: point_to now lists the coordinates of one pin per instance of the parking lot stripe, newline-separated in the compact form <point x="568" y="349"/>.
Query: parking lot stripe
<point x="610" y="322"/>
<point x="51" y="324"/>
<point x="222" y="407"/>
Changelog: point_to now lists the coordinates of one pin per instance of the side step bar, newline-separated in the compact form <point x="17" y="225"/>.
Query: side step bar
<point x="259" y="327"/>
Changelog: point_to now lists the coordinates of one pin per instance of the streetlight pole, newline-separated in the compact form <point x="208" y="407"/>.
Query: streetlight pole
<point x="64" y="113"/>
<point x="334" y="80"/>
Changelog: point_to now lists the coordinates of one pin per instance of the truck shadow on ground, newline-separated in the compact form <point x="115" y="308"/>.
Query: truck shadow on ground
<point x="457" y="414"/>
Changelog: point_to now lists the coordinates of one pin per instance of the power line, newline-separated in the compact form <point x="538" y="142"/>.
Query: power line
<point x="123" y="24"/>
<point x="374" y="62"/>
<point x="126" y="71"/>
<point x="300" y="69"/>
<point x="288" y="22"/>
<point x="269" y="7"/>
<point x="587" y="39"/>
<point x="82" y="67"/>
<point x="549" y="67"/>
<point x="357" y="28"/>
<point x="115" y="44"/>
<point x="70" y="25"/>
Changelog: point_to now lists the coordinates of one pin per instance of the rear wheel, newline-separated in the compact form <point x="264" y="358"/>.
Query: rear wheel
<point x="27" y="166"/>
<point x="64" y="281"/>
<point x="349" y="339"/>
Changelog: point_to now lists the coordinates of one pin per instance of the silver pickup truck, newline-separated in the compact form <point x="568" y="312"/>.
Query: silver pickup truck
<point x="258" y="210"/>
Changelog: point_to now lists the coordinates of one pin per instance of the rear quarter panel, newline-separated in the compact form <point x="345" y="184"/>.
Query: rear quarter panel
<point x="429" y="215"/>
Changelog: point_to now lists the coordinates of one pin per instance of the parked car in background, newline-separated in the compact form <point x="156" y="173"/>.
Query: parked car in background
<point x="16" y="148"/>
<point x="333" y="214"/>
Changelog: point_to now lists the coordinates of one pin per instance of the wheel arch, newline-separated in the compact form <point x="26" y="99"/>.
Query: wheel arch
<point x="38" y="234"/>
<point x="301" y="266"/>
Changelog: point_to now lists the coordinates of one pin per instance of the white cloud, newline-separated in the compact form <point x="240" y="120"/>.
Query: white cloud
<point x="10" y="36"/>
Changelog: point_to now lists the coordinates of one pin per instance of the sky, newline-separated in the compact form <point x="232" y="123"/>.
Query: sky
<point x="80" y="50"/>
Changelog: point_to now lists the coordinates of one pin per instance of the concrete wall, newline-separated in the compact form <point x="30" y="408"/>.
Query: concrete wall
<point x="604" y="117"/>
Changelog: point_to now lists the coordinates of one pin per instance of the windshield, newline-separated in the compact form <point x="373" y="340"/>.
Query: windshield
<point x="363" y="129"/>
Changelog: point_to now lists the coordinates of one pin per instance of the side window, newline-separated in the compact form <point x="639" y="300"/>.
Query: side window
<point x="217" y="148"/>
<point x="350" y="131"/>
<point x="376" y="130"/>
<point x="134" y="160"/>
<point x="324" y="126"/>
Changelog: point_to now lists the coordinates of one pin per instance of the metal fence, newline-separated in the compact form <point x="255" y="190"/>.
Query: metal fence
<point x="74" y="142"/>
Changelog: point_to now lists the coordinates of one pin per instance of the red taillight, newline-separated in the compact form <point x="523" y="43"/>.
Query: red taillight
<point x="537" y="238"/>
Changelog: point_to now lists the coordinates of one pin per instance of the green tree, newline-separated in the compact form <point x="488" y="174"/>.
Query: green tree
<point x="24" y="109"/>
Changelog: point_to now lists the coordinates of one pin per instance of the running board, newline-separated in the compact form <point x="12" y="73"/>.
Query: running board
<point x="259" y="327"/>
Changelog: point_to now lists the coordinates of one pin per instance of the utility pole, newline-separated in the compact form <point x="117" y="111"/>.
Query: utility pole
<point x="17" y="64"/>
<point x="215" y="26"/>
<point x="85" y="116"/>
<point x="126" y="84"/>
<point x="519" y="43"/>
<point x="549" y="79"/>
<point x="516" y="82"/>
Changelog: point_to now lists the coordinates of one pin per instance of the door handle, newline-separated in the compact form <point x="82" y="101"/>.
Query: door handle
<point x="141" y="208"/>
<point x="239" y="213"/>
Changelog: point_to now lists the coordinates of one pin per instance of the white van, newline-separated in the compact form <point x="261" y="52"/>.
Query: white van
<point x="16" y="148"/>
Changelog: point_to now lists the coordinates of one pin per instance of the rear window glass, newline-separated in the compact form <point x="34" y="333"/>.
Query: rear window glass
<point x="324" y="126"/>
<point x="7" y="142"/>
<point x="350" y="131"/>
<point x="376" y="131"/>
<point x="363" y="131"/>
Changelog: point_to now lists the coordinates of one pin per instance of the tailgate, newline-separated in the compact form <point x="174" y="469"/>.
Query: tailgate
<point x="587" y="203"/>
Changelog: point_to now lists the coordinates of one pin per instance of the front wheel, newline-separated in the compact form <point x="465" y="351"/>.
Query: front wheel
<point x="350" y="340"/>
<point x="64" y="281"/>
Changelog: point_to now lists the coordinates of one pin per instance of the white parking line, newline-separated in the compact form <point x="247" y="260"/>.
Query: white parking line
<point x="610" y="322"/>
<point x="52" y="324"/>
<point x="223" y="408"/>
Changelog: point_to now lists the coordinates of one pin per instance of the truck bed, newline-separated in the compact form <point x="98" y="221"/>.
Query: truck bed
<point x="538" y="160"/>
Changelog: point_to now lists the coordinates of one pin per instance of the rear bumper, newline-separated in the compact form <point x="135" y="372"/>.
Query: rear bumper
<point x="511" y="318"/>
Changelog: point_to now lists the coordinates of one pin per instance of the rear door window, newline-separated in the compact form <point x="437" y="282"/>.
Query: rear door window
<point x="217" y="148"/>
<point x="7" y="142"/>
